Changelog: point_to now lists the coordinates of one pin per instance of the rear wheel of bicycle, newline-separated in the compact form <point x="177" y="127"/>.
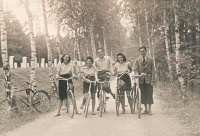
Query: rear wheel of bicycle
<point x="117" y="102"/>
<point x="87" y="105"/>
<point x="41" y="101"/>
<point x="10" y="109"/>
<point x="104" y="102"/>
<point x="70" y="103"/>
<point x="139" y="103"/>
<point x="101" y="102"/>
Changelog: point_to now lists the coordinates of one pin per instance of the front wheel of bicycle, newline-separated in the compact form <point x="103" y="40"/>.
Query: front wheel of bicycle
<point x="41" y="101"/>
<point x="87" y="105"/>
<point x="70" y="103"/>
<point x="117" y="102"/>
<point x="10" y="109"/>
<point x="101" y="102"/>
<point x="139" y="103"/>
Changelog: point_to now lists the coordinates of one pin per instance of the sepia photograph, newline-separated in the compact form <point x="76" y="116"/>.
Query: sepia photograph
<point x="99" y="67"/>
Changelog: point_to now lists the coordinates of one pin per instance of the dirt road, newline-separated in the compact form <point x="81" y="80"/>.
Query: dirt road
<point x="127" y="124"/>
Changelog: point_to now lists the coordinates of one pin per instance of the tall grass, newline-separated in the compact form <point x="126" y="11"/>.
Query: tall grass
<point x="187" y="113"/>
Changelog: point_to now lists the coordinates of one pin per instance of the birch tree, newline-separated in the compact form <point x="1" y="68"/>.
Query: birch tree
<point x="33" y="46"/>
<point x="4" y="49"/>
<point x="167" y="44"/>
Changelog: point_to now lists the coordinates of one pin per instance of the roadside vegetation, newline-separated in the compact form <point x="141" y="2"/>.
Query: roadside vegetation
<point x="20" y="76"/>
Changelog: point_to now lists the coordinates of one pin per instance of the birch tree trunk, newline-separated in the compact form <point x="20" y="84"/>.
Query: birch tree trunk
<point x="92" y="41"/>
<point x="167" y="46"/>
<point x="86" y="42"/>
<point x="58" y="32"/>
<point x="33" y="46"/>
<point x="105" y="42"/>
<point x="4" y="49"/>
<point x="147" y="29"/>
<point x="51" y="76"/>
<point x="77" y="45"/>
<point x="139" y="30"/>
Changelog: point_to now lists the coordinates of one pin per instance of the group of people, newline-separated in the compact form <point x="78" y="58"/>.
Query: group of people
<point x="98" y="69"/>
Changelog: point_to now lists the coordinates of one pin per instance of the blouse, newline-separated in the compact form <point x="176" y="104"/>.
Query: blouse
<point x="65" y="69"/>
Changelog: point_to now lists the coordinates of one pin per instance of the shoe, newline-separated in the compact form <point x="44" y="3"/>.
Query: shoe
<point x="150" y="113"/>
<point x="113" y="95"/>
<point x="57" y="115"/>
<point x="81" y="107"/>
<point x="145" y="112"/>
<point x="106" y="98"/>
<point x="98" y="108"/>
<point x="132" y="112"/>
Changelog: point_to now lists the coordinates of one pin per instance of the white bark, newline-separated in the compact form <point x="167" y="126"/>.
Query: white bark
<point x="92" y="41"/>
<point x="105" y="42"/>
<point x="77" y="46"/>
<point x="167" y="46"/>
<point x="33" y="46"/>
<point x="58" y="31"/>
<point x="4" y="47"/>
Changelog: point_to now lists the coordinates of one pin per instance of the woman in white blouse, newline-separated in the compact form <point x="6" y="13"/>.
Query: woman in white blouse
<point x="65" y="70"/>
<point x="124" y="67"/>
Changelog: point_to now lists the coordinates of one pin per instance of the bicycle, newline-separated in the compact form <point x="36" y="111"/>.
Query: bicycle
<point x="118" y="94"/>
<point x="88" y="99"/>
<point x="136" y="95"/>
<point x="39" y="100"/>
<point x="70" y="101"/>
<point x="11" y="105"/>
<point x="103" y="98"/>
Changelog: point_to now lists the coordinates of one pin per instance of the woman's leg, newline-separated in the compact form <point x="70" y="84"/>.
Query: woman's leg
<point x="85" y="95"/>
<point x="59" y="107"/>
<point x="130" y="101"/>
<point x="122" y="100"/>
<point x="93" y="103"/>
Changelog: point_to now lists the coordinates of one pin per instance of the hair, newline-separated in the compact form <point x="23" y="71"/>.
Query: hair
<point x="143" y="47"/>
<point x="62" y="58"/>
<point x="99" y="49"/>
<point x="89" y="58"/>
<point x="120" y="54"/>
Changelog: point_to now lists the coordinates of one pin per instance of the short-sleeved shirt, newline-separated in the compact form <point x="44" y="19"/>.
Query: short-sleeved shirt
<point x="65" y="69"/>
<point x="88" y="71"/>
<point x="103" y="64"/>
<point x="120" y="68"/>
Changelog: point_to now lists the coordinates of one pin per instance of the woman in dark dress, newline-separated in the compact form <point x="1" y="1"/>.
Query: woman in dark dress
<point x="64" y="70"/>
<point x="120" y="67"/>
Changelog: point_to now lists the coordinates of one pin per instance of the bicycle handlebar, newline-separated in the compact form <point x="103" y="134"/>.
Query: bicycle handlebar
<point x="66" y="79"/>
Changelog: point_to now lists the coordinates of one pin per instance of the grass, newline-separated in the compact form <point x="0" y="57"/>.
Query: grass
<point x="19" y="76"/>
<point x="188" y="114"/>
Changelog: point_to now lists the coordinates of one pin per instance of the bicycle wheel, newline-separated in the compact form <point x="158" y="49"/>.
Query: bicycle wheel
<point x="41" y="101"/>
<point x="139" y="102"/>
<point x="101" y="102"/>
<point x="70" y="103"/>
<point x="117" y="102"/>
<point x="104" y="103"/>
<point x="10" y="109"/>
<point x="134" y="98"/>
<point x="55" y="91"/>
<point x="87" y="105"/>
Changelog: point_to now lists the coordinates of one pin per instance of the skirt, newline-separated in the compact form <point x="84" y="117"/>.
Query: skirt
<point x="62" y="87"/>
<point x="126" y="78"/>
<point x="146" y="93"/>
<point x="86" y="86"/>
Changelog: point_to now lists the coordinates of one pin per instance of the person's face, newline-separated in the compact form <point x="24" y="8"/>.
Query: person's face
<point x="120" y="58"/>
<point x="88" y="62"/>
<point x="100" y="53"/>
<point x="143" y="52"/>
<point x="66" y="59"/>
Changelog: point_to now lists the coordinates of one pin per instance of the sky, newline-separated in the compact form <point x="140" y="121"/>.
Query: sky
<point x="36" y="9"/>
